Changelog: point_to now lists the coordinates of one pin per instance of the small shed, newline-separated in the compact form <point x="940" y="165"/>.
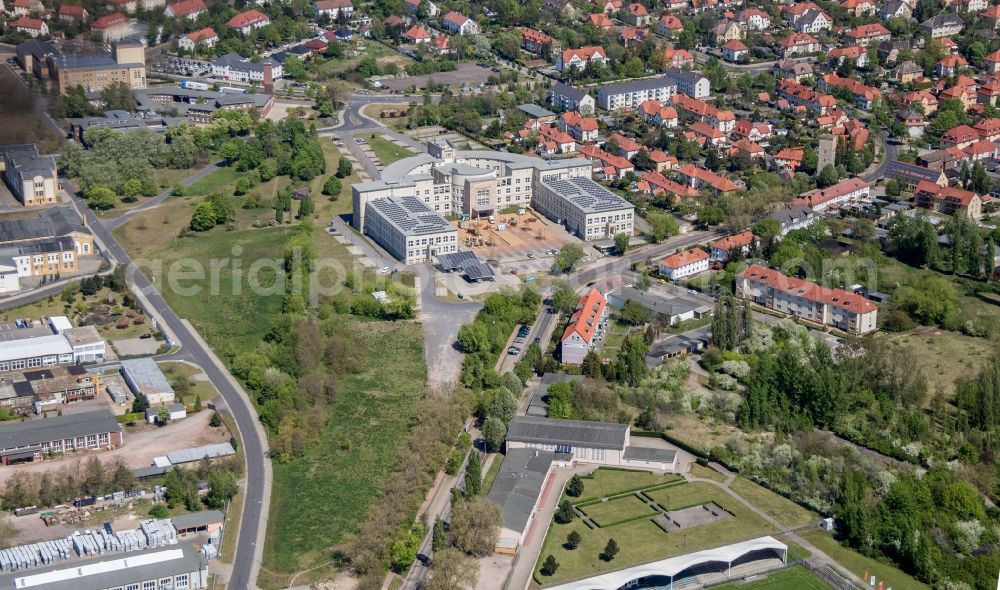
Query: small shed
<point x="177" y="412"/>
<point x="827" y="524"/>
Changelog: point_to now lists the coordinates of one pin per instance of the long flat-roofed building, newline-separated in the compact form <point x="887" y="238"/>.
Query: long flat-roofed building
<point x="127" y="63"/>
<point x="31" y="177"/>
<point x="174" y="567"/>
<point x="586" y="208"/>
<point x="409" y="229"/>
<point x="68" y="347"/>
<point x="32" y="439"/>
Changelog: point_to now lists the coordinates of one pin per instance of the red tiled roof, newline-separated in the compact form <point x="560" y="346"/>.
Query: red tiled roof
<point x="456" y="18"/>
<point x="682" y="259"/>
<point x="585" y="319"/>
<point x="600" y="20"/>
<point x="574" y="119"/>
<point x="26" y="22"/>
<point x="417" y="32"/>
<point x="819" y="196"/>
<point x="116" y="19"/>
<point x="186" y="7"/>
<point x="584" y="53"/>
<point x="740" y="240"/>
<point x="869" y="30"/>
<point x="626" y="143"/>
<point x="70" y="10"/>
<point x="206" y="33"/>
<point x="637" y="9"/>
<point x="944" y="193"/>
<point x="798" y="39"/>
<point x="539" y="37"/>
<point x="719" y="183"/>
<point x="332" y="4"/>
<point x="808" y="290"/>
<point x="245" y="19"/>
<point x="671" y="22"/>
<point x="960" y="134"/>
<point x="735" y="45"/>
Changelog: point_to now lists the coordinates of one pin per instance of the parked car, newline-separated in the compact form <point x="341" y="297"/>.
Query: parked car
<point x="513" y="351"/>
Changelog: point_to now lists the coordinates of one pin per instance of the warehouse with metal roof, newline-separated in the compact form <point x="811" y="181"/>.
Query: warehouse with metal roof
<point x="31" y="439"/>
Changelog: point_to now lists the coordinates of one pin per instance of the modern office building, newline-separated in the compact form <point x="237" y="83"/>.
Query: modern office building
<point x="409" y="230"/>
<point x="585" y="208"/>
<point x="31" y="177"/>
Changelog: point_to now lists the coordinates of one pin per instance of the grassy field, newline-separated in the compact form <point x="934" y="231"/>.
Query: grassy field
<point x="944" y="357"/>
<point x="387" y="151"/>
<point x="179" y="372"/>
<point x="642" y="540"/>
<point x="222" y="180"/>
<point x="706" y="473"/>
<point x="775" y="505"/>
<point x="609" y="482"/>
<point x="17" y="120"/>
<point x="337" y="478"/>
<point x="858" y="564"/>
<point x="796" y="578"/>
<point x="617" y="510"/>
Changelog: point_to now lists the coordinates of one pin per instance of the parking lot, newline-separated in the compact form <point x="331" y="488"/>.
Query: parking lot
<point x="467" y="74"/>
<point x="11" y="331"/>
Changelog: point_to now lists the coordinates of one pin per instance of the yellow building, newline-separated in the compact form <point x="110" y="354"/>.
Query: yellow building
<point x="127" y="64"/>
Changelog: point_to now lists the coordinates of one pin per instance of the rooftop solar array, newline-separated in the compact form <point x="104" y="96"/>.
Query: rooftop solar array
<point x="478" y="272"/>
<point x="457" y="260"/>
<point x="410" y="215"/>
<point x="588" y="195"/>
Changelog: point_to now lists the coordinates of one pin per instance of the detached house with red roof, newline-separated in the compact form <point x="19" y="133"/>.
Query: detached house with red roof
<point x="734" y="50"/>
<point x="859" y="8"/>
<point x="700" y="178"/>
<point x="207" y="37"/>
<point x="961" y="137"/>
<point x="865" y="35"/>
<point x="948" y="200"/>
<point x="669" y="25"/>
<point x="797" y="44"/>
<point x="112" y="27"/>
<point x="534" y="41"/>
<point x="245" y="22"/>
<point x="723" y="248"/>
<point x="189" y="9"/>
<point x="75" y="15"/>
<point x="459" y="24"/>
<point x="578" y="59"/>
<point x="417" y="34"/>
<point x="684" y="264"/>
<point x="864" y="96"/>
<point x="580" y="127"/>
<point x="585" y="329"/>
<point x="991" y="63"/>
<point x="754" y="19"/>
<point x="949" y="65"/>
<point x="846" y="311"/>
<point x="678" y="58"/>
<point x="637" y="15"/>
<point x="855" y="54"/>
<point x="32" y="27"/>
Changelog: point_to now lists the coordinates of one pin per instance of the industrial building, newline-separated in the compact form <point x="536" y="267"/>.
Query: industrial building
<point x="409" y="230"/>
<point x="48" y="223"/>
<point x="174" y="567"/>
<point x="31" y="177"/>
<point x="585" y="208"/>
<point x="199" y="106"/>
<point x="674" y="309"/>
<point x="31" y="439"/>
<point x="127" y="64"/>
<point x="42" y="389"/>
<point x="37" y="348"/>
<point x="144" y="376"/>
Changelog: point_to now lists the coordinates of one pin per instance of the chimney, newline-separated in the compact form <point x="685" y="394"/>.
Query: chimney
<point x="268" y="79"/>
<point x="84" y="220"/>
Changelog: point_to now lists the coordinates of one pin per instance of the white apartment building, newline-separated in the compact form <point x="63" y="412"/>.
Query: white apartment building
<point x="840" y="309"/>
<point x="850" y="190"/>
<point x="629" y="95"/>
<point x="684" y="264"/>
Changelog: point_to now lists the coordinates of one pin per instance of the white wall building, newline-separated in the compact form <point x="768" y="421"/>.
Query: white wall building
<point x="408" y="229"/>
<point x="585" y="208"/>
<point x="684" y="264"/>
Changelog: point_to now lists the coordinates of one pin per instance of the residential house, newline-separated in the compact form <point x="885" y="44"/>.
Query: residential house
<point x="700" y="178"/>
<point x="669" y="25"/>
<point x="789" y="69"/>
<point x="755" y="132"/>
<point x="793" y="217"/>
<point x="859" y="8"/>
<point x="949" y="65"/>
<point x="865" y="35"/>
<point x="678" y="58"/>
<point x="654" y="113"/>
<point x="723" y="248"/>
<point x="754" y="19"/>
<point x="247" y="21"/>
<point x="74" y="15"/>
<point x="800" y="95"/>
<point x="577" y="59"/>
<point x="413" y="7"/>
<point x="948" y="200"/>
<point x="693" y="84"/>
<point x="441" y="45"/>
<point x="855" y="54"/>
<point x="566" y="98"/>
<point x="661" y="185"/>
<point x="912" y="174"/>
<point x="189" y="9"/>
<point x="637" y="15"/>
<point x="838" y="308"/>
<point x="847" y="191"/>
<point x="459" y="24"/>
<point x="630" y="94"/>
<point x="727" y="31"/>
<point x="580" y="127"/>
<point x="32" y="27"/>
<point x="684" y="264"/>
<point x="991" y="16"/>
<point x="601" y="21"/>
<point x="789" y="158"/>
<point x="895" y="9"/>
<point x="907" y="72"/>
<point x="943" y="25"/>
<point x="417" y="35"/>
<point x="206" y="37"/>
<point x="585" y="329"/>
<point x="535" y="42"/>
<point x="607" y="165"/>
<point x="798" y="44"/>
<point x="991" y="63"/>
<point x="793" y="13"/>
<point x="735" y="50"/>
<point x="31" y="177"/>
<point x="111" y="27"/>
<point x="864" y="96"/>
<point x="960" y="137"/>
<point x="332" y="9"/>
<point x="813" y="21"/>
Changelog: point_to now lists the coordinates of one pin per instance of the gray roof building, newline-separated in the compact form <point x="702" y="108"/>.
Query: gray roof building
<point x="535" y="111"/>
<point x="587" y="195"/>
<point x="568" y="92"/>
<point x="118" y="570"/>
<point x="519" y="484"/>
<point x="143" y="375"/>
<point x="48" y="223"/>
<point x="409" y="216"/>
<point x="572" y="433"/>
<point x="634" y="453"/>
<point x="26" y="160"/>
<point x="675" y="306"/>
<point x="31" y="433"/>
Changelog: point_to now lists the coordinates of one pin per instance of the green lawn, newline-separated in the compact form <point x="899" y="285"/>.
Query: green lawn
<point x="642" y="540"/>
<point x="318" y="500"/>
<point x="796" y="578"/>
<point x="775" y="505"/>
<point x="178" y="373"/>
<point x="858" y="564"/>
<point x="617" y="510"/>
<point x="706" y="473"/>
<point x="609" y="482"/>
<point x="387" y="151"/>
<point x="222" y="180"/>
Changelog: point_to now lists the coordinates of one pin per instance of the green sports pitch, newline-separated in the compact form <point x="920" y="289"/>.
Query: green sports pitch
<point x="795" y="578"/>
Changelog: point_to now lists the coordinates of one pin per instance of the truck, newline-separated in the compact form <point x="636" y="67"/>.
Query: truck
<point x="189" y="85"/>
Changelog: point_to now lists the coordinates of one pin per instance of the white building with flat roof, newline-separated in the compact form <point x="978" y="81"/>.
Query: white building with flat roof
<point x="585" y="208"/>
<point x="409" y="230"/>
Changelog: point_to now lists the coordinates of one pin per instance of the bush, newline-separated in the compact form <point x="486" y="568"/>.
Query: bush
<point x="159" y="511"/>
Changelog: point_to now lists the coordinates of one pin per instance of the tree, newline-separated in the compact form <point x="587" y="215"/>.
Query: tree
<point x="344" y="167"/>
<point x="568" y="257"/>
<point x="864" y="230"/>
<point x="473" y="475"/>
<point x="452" y="570"/>
<point x="494" y="433"/>
<point x="827" y="176"/>
<point x="662" y="225"/>
<point x="610" y="550"/>
<point x="592" y="365"/>
<point x="215" y="421"/>
<point x="204" y="216"/>
<point x="575" y="487"/>
<point x="565" y="514"/>
<point x="332" y="188"/>
<point x="564" y="297"/>
<point x="621" y="243"/>
<point x="140" y="404"/>
<point x="222" y="487"/>
<point x="162" y="415"/>
<point x="634" y="313"/>
<point x="475" y="525"/>
<point x="573" y="540"/>
<point x="403" y="551"/>
<point x="980" y="181"/>
<point x="159" y="511"/>
<point x="306" y="207"/>
<point x="101" y="198"/>
<point x="550" y="566"/>
<point x="439" y="538"/>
